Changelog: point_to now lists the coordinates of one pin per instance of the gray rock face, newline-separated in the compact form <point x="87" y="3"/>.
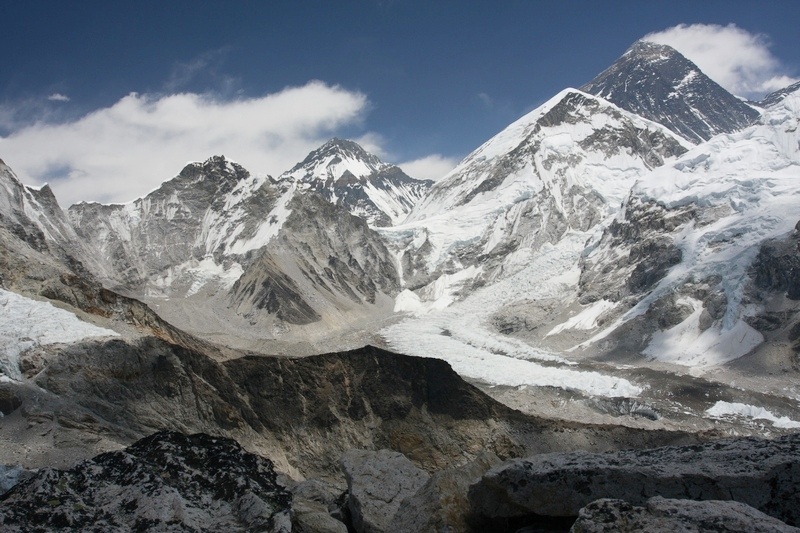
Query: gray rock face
<point x="764" y="474"/>
<point x="317" y="508"/>
<point x="777" y="266"/>
<point x="441" y="504"/>
<point x="633" y="254"/>
<point x="322" y="254"/>
<point x="656" y="82"/>
<point x="378" y="483"/>
<point x="168" y="481"/>
<point x="660" y="515"/>
<point x="189" y="217"/>
<point x="11" y="475"/>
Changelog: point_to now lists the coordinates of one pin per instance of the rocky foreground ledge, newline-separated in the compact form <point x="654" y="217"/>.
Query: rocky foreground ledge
<point x="174" y="482"/>
<point x="763" y="474"/>
<point x="165" y="482"/>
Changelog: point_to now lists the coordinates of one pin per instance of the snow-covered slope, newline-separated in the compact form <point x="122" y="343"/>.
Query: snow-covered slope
<point x="563" y="167"/>
<point x="345" y="174"/>
<point x="658" y="83"/>
<point x="703" y="259"/>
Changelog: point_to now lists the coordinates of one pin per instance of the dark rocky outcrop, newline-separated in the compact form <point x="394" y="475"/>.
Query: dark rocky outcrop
<point x="764" y="474"/>
<point x="656" y="82"/>
<point x="777" y="266"/>
<point x="660" y="515"/>
<point x="167" y="482"/>
<point x="305" y="413"/>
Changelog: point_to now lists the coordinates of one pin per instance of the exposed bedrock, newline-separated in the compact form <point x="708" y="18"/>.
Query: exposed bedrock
<point x="764" y="474"/>
<point x="661" y="515"/>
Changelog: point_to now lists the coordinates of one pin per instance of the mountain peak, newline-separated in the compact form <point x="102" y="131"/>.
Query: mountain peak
<point x="335" y="158"/>
<point x="657" y="82"/>
<point x="343" y="173"/>
<point x="649" y="49"/>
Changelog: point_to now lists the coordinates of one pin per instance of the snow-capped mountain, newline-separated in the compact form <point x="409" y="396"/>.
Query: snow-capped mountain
<point x="158" y="242"/>
<point x="656" y="82"/>
<point x="219" y="249"/>
<point x="563" y="167"/>
<point x="703" y="260"/>
<point x="345" y="174"/>
<point x="587" y="264"/>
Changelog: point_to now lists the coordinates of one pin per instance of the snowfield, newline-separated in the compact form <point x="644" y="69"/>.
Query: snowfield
<point x="460" y="335"/>
<point x="26" y="324"/>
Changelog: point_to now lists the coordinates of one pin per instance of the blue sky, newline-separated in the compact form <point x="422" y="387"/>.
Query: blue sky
<point x="84" y="85"/>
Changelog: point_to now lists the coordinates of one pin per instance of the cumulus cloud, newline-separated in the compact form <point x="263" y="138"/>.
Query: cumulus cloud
<point x="58" y="97"/>
<point x="431" y="167"/>
<point x="738" y="60"/>
<point x="119" y="153"/>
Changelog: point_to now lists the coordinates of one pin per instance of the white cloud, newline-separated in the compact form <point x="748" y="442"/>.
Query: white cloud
<point x="121" y="152"/>
<point x="58" y="97"/>
<point x="431" y="167"/>
<point x="738" y="60"/>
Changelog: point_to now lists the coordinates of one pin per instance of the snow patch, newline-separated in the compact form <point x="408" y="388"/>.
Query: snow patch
<point x="722" y="409"/>
<point x="268" y="229"/>
<point x="208" y="270"/>
<point x="586" y="319"/>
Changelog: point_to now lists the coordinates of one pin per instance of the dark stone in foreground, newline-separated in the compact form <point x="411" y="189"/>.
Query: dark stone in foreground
<point x="166" y="482"/>
<point x="661" y="515"/>
<point x="378" y="483"/>
<point x="764" y="474"/>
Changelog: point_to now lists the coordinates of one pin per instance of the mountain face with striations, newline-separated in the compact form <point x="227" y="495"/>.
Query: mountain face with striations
<point x="345" y="174"/>
<point x="219" y="249"/>
<point x="562" y="168"/>
<point x="658" y="83"/>
<point x="775" y="97"/>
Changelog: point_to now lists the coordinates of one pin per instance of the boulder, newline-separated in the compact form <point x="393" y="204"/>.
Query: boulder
<point x="764" y="474"/>
<point x="378" y="483"/>
<point x="168" y="481"/>
<point x="441" y="504"/>
<point x="661" y="515"/>
<point x="317" y="507"/>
